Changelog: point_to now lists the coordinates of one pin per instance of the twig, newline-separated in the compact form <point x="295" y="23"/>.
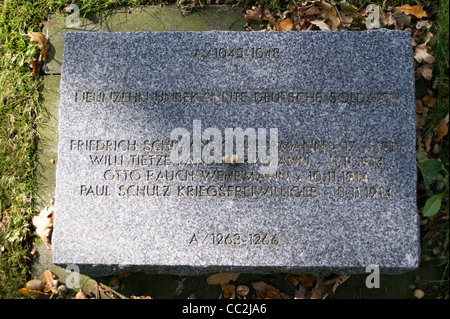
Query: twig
<point x="339" y="14"/>
<point x="344" y="24"/>
<point x="240" y="14"/>
<point x="104" y="287"/>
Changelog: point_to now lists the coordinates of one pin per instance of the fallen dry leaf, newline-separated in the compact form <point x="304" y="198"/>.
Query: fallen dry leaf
<point x="413" y="10"/>
<point x="324" y="289"/>
<point x="44" y="225"/>
<point x="284" y="25"/>
<point x="267" y="291"/>
<point x="426" y="71"/>
<point x="442" y="129"/>
<point x="257" y="13"/>
<point x="267" y="15"/>
<point x="421" y="114"/>
<point x="50" y="285"/>
<point x="429" y="99"/>
<point x="330" y="16"/>
<point x="143" y="297"/>
<point x="253" y="14"/>
<point x="35" y="65"/>
<point x="80" y="295"/>
<point x="312" y="11"/>
<point x="229" y="291"/>
<point x="424" y="25"/>
<point x="304" y="279"/>
<point x="31" y="293"/>
<point x="321" y="24"/>
<point x="388" y="20"/>
<point x="346" y="21"/>
<point x="221" y="278"/>
<point x="402" y="20"/>
<point x="242" y="290"/>
<point x="421" y="149"/>
<point x="421" y="54"/>
<point x="300" y="293"/>
<point x="41" y="43"/>
<point x="427" y="141"/>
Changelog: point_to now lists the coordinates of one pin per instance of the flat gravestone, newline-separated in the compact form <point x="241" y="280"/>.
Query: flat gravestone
<point x="191" y="152"/>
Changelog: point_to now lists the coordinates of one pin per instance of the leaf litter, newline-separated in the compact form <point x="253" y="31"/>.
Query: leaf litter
<point x="40" y="57"/>
<point x="43" y="224"/>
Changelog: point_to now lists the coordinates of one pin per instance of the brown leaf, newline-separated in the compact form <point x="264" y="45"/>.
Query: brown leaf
<point x="267" y="291"/>
<point x="389" y="20"/>
<point x="426" y="71"/>
<point x="80" y="295"/>
<point x="329" y="14"/>
<point x="442" y="129"/>
<point x="221" y="278"/>
<point x="267" y="15"/>
<point x="145" y="297"/>
<point x="253" y="14"/>
<point x="44" y="225"/>
<point x="429" y="99"/>
<point x="427" y="141"/>
<point x="413" y="10"/>
<point x="229" y="291"/>
<point x="324" y="289"/>
<point x="420" y="109"/>
<point x="421" y="54"/>
<point x="31" y="293"/>
<point x="256" y="13"/>
<point x="312" y="11"/>
<point x="49" y="283"/>
<point x="421" y="114"/>
<point x="300" y="293"/>
<point x="325" y="5"/>
<point x="346" y="21"/>
<point x="242" y="290"/>
<point x="304" y="279"/>
<point x="35" y="65"/>
<point x="421" y="149"/>
<point x="317" y="291"/>
<point x="402" y="20"/>
<point x="284" y="25"/>
<point x="424" y="25"/>
<point x="321" y="24"/>
<point x="41" y="43"/>
<point x="38" y="38"/>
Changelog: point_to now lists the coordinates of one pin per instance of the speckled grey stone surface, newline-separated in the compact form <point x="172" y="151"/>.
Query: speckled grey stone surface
<point x="344" y="194"/>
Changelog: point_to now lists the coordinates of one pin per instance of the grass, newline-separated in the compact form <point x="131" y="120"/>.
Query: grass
<point x="441" y="53"/>
<point x="20" y="111"/>
<point x="19" y="102"/>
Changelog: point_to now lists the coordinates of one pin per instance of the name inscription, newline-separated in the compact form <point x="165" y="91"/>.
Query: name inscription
<point x="307" y="169"/>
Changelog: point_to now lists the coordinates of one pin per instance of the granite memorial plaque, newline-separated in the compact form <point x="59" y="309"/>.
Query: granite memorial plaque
<point x="191" y="152"/>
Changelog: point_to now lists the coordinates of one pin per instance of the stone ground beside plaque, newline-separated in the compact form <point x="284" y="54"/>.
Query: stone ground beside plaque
<point x="377" y="128"/>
